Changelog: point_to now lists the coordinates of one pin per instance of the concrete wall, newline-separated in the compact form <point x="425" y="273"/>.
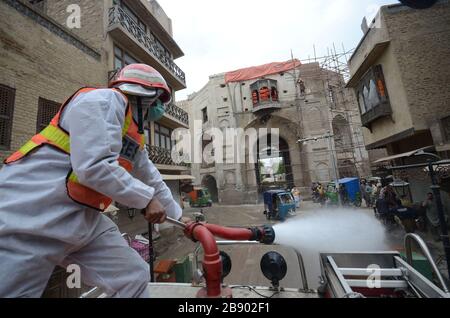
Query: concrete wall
<point x="160" y="15"/>
<point x="422" y="45"/>
<point x="93" y="18"/>
<point x="39" y="63"/>
<point x="416" y="68"/>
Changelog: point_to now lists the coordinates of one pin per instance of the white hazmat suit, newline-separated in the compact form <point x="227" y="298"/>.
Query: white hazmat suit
<point x="41" y="227"/>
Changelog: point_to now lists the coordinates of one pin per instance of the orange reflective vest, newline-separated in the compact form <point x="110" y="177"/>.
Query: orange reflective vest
<point x="55" y="136"/>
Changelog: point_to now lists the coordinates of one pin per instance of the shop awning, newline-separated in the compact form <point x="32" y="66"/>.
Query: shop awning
<point x="403" y="155"/>
<point x="170" y="177"/>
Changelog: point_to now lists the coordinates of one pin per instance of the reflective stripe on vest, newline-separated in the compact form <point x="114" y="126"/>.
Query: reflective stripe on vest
<point x="55" y="136"/>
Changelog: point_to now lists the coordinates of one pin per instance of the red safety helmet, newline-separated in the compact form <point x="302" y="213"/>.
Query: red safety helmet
<point x="145" y="75"/>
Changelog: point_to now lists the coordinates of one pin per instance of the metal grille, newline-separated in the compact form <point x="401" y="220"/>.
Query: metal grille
<point x="118" y="16"/>
<point x="47" y="110"/>
<point x="178" y="113"/>
<point x="162" y="156"/>
<point x="7" y="98"/>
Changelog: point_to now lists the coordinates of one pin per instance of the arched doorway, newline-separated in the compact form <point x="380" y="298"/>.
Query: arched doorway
<point x="273" y="167"/>
<point x="210" y="183"/>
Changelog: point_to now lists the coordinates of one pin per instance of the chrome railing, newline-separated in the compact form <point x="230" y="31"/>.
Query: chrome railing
<point x="409" y="239"/>
<point x="118" y="16"/>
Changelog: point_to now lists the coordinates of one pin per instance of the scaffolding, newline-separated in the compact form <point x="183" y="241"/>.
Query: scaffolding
<point x="348" y="142"/>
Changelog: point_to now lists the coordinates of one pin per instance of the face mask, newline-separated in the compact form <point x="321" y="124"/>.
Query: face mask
<point x="145" y="101"/>
<point x="157" y="111"/>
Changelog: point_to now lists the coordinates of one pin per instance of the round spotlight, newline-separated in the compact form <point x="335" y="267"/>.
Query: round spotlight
<point x="274" y="267"/>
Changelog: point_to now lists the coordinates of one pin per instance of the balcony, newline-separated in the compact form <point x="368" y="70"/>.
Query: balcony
<point x="265" y="96"/>
<point x="177" y="114"/>
<point x="162" y="156"/>
<point x="381" y="110"/>
<point x="125" y="30"/>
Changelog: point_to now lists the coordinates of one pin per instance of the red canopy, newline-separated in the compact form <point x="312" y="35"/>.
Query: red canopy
<point x="255" y="72"/>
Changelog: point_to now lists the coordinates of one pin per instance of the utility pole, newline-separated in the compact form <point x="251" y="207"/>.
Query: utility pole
<point x="436" y="188"/>
<point x="333" y="158"/>
<point x="335" y="168"/>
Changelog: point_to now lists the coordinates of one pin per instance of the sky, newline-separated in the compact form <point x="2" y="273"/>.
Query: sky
<point x="217" y="36"/>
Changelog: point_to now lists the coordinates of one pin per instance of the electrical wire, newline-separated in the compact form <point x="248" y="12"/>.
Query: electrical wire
<point x="255" y="291"/>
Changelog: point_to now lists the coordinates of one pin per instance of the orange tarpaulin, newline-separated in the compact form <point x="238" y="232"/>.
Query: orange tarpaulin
<point x="255" y="72"/>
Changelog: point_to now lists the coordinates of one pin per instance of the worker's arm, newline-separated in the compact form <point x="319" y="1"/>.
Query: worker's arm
<point x="94" y="121"/>
<point x="146" y="171"/>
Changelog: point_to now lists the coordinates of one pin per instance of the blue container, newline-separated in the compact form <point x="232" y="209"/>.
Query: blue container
<point x="351" y="186"/>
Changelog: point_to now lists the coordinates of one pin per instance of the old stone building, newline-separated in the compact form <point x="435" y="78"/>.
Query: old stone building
<point x="50" y="48"/>
<point x="401" y="73"/>
<point x="302" y="101"/>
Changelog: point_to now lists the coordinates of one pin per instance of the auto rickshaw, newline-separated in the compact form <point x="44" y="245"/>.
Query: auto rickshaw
<point x="200" y="197"/>
<point x="278" y="204"/>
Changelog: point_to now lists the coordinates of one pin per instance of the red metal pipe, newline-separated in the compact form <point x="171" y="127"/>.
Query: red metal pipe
<point x="226" y="233"/>
<point x="212" y="264"/>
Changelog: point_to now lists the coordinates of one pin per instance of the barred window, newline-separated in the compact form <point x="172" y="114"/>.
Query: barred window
<point x="7" y="98"/>
<point x="46" y="111"/>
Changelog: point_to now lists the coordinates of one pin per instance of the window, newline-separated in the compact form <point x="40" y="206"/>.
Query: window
<point x="163" y="137"/>
<point x="445" y="123"/>
<point x="122" y="58"/>
<point x="7" y="98"/>
<point x="372" y="90"/>
<point x="205" y="115"/>
<point x="47" y="109"/>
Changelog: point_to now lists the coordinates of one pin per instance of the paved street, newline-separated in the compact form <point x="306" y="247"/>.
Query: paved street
<point x="246" y="259"/>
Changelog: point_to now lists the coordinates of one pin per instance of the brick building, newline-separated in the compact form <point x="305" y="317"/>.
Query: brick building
<point x="48" y="51"/>
<point x="401" y="74"/>
<point x="45" y="56"/>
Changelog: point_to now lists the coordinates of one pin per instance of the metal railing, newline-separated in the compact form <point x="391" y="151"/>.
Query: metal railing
<point x="118" y="16"/>
<point x="177" y="113"/>
<point x="162" y="156"/>
<point x="381" y="110"/>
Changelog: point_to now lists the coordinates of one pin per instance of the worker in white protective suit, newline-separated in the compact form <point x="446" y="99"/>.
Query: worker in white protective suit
<point x="53" y="190"/>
